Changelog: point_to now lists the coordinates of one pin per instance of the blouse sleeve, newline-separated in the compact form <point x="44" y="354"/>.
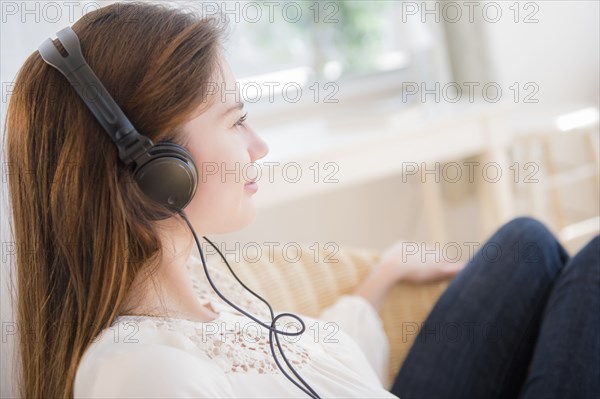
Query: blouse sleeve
<point x="357" y="318"/>
<point x="151" y="371"/>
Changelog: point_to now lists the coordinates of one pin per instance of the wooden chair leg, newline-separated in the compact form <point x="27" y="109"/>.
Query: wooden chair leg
<point x="434" y="206"/>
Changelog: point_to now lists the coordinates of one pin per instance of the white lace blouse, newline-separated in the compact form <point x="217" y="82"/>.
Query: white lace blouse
<point x="343" y="353"/>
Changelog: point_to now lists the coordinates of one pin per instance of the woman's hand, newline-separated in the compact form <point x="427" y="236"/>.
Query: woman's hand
<point x="405" y="261"/>
<point x="402" y="261"/>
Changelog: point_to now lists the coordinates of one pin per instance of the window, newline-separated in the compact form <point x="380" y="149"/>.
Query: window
<point x="331" y="50"/>
<point x="326" y="39"/>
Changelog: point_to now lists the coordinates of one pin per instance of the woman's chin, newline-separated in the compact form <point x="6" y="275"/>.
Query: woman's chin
<point x="232" y="226"/>
<point x="249" y="217"/>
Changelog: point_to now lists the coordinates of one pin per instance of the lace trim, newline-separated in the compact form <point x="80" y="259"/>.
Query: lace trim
<point x="235" y="343"/>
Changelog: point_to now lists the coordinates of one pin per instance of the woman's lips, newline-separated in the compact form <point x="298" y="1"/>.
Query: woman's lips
<point x="251" y="186"/>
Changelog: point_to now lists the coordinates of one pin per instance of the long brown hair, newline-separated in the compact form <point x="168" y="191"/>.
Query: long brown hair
<point x="83" y="230"/>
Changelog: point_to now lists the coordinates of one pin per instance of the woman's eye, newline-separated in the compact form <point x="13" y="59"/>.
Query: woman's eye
<point x="241" y="121"/>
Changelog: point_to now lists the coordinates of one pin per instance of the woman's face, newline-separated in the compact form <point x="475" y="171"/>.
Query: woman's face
<point x="223" y="146"/>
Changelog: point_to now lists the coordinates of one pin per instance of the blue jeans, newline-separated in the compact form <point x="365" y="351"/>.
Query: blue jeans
<point x="521" y="320"/>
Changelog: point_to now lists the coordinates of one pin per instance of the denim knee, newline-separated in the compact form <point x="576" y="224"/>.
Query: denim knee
<point x="592" y="250"/>
<point x="588" y="259"/>
<point x="529" y="227"/>
<point x="528" y="241"/>
<point x="529" y="231"/>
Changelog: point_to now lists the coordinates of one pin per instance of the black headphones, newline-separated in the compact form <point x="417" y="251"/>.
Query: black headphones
<point x="165" y="172"/>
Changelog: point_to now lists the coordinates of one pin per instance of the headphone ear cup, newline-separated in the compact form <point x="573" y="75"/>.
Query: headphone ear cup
<point x="170" y="177"/>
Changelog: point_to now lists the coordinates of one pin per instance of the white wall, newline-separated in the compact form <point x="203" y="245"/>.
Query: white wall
<point x="560" y="52"/>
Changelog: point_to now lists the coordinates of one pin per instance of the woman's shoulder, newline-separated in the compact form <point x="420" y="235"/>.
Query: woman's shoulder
<point x="133" y="359"/>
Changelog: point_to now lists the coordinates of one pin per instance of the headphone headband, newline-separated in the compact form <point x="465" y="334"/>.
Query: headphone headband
<point x="165" y="172"/>
<point x="131" y="145"/>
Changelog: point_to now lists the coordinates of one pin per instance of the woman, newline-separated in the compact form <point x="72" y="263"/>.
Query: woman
<point x="112" y="301"/>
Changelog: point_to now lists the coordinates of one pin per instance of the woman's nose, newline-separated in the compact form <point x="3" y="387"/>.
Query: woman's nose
<point x="258" y="148"/>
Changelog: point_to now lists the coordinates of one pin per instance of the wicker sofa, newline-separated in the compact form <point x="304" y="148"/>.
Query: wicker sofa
<point x="316" y="277"/>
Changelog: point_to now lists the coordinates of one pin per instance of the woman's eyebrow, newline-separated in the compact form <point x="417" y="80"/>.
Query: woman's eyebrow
<point x="236" y="106"/>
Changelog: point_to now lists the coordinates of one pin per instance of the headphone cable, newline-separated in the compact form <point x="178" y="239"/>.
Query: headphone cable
<point x="272" y="330"/>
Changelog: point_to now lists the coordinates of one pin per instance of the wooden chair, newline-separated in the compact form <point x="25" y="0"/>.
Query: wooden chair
<point x="315" y="282"/>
